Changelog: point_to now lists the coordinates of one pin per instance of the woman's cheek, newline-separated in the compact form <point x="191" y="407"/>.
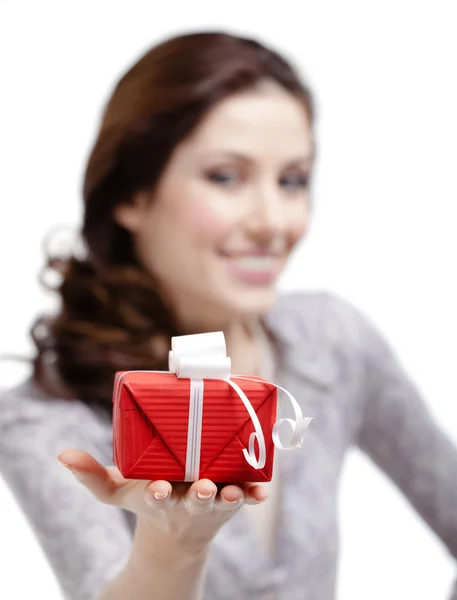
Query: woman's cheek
<point x="298" y="226"/>
<point x="206" y="222"/>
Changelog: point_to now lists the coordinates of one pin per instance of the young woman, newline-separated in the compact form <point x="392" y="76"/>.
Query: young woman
<point x="195" y="193"/>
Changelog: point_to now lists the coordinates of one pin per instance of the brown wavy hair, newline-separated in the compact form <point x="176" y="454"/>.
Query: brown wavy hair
<point x="112" y="316"/>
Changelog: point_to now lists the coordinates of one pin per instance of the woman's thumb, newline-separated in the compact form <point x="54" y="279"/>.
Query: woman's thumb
<point x="99" y="480"/>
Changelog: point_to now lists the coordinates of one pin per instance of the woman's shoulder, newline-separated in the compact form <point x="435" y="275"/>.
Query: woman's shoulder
<point x="25" y="407"/>
<point x="317" y="334"/>
<point x="318" y="316"/>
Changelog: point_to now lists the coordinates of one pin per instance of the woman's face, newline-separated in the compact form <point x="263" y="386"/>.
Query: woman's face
<point x="229" y="208"/>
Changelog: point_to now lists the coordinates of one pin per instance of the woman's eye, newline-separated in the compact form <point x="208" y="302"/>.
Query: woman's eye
<point x="292" y="182"/>
<point x="224" y="178"/>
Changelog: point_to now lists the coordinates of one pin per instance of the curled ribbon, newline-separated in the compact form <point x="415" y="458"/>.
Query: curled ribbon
<point x="203" y="356"/>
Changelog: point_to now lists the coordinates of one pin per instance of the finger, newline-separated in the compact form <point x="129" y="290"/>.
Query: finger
<point x="200" y="497"/>
<point x="231" y="498"/>
<point x="160" y="494"/>
<point x="255" y="493"/>
<point x="103" y="483"/>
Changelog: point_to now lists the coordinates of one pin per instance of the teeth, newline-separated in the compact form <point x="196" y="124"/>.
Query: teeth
<point x="255" y="263"/>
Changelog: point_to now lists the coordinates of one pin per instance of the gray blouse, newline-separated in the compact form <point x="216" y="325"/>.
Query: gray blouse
<point x="335" y="363"/>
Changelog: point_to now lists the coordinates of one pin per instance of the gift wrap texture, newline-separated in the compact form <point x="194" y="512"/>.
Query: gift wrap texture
<point x="151" y="420"/>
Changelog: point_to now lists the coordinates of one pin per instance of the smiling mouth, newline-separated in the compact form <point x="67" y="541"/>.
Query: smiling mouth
<point x="253" y="268"/>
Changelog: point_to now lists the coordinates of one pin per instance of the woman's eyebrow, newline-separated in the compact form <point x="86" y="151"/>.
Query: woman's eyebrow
<point x="302" y="161"/>
<point x="298" y="161"/>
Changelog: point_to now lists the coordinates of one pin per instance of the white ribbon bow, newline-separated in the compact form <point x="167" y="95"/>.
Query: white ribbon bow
<point x="203" y="356"/>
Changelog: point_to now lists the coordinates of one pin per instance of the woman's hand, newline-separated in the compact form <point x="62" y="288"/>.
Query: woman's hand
<point x="181" y="515"/>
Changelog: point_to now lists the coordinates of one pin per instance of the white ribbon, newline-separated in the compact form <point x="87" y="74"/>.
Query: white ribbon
<point x="194" y="430"/>
<point x="203" y="356"/>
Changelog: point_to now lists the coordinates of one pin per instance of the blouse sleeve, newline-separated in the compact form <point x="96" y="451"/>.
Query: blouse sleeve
<point x="86" y="542"/>
<point x="400" y="435"/>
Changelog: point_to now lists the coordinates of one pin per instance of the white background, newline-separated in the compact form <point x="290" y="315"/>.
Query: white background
<point x="384" y="74"/>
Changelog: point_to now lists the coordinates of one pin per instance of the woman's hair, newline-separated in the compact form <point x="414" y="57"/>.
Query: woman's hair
<point x="111" y="315"/>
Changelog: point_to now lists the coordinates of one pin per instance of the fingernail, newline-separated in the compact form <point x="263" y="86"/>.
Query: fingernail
<point x="262" y="500"/>
<point x="204" y="496"/>
<point x="236" y="501"/>
<point x="161" y="495"/>
<point x="69" y="467"/>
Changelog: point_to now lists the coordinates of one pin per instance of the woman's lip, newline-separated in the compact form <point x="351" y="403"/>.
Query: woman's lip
<point x="251" y="254"/>
<point x="249" y="274"/>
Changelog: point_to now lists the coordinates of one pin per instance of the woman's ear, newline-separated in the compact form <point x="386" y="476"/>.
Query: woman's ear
<point x="131" y="215"/>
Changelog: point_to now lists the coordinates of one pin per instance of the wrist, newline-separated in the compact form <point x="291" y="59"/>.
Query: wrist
<point x="164" y="546"/>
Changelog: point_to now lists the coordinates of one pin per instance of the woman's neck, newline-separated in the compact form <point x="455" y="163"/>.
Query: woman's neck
<point x="243" y="347"/>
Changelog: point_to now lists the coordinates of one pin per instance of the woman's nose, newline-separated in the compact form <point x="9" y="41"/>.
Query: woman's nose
<point x="267" y="217"/>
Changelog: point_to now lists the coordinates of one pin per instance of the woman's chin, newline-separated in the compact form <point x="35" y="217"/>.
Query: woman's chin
<point x="251" y="303"/>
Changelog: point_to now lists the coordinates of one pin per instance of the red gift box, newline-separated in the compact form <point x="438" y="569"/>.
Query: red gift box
<point x="151" y="420"/>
